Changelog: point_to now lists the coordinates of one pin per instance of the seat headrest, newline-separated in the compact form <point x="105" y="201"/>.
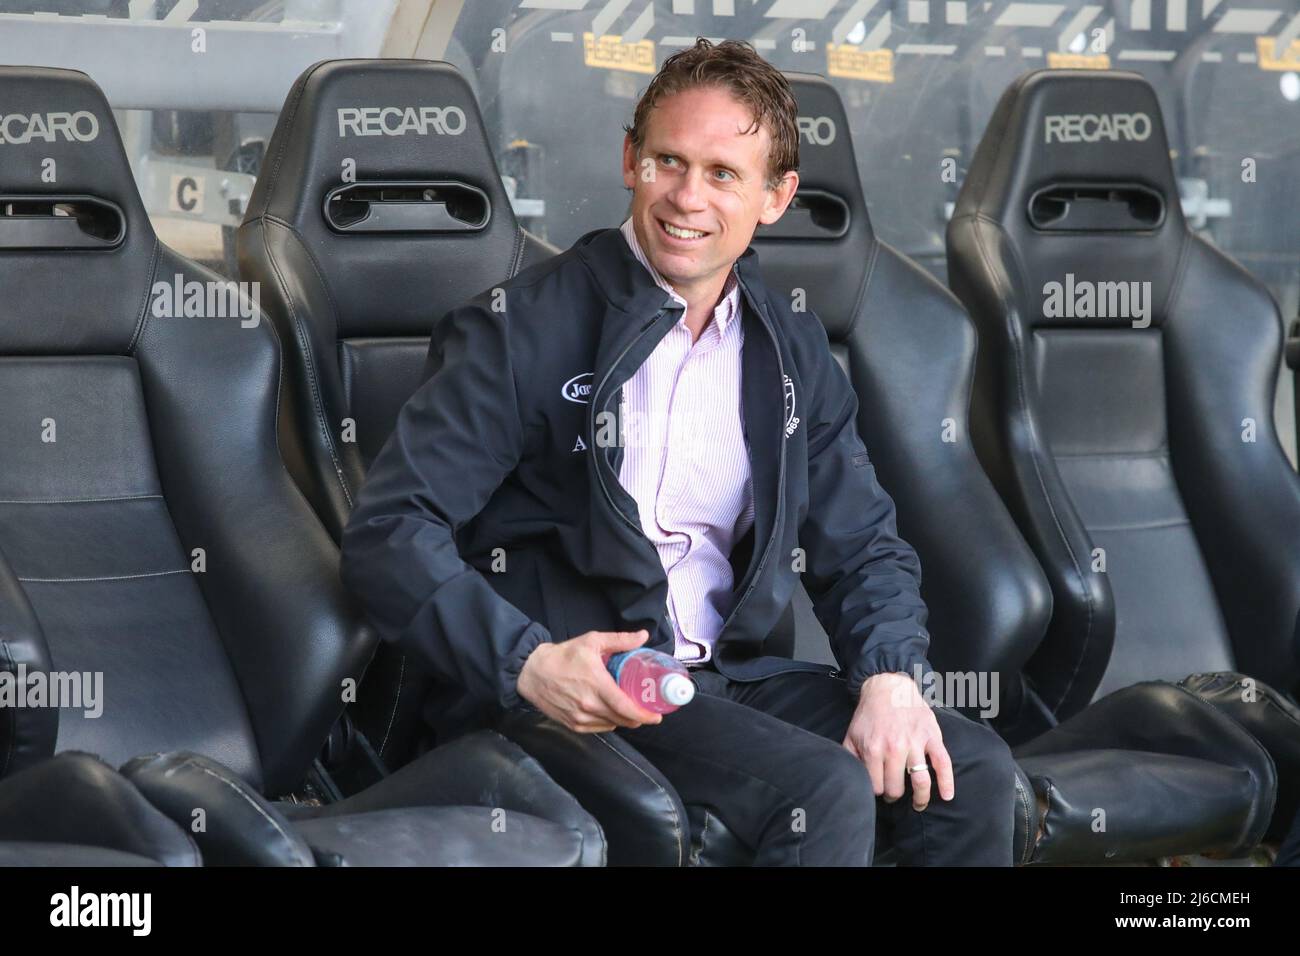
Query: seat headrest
<point x="397" y="151"/>
<point x="824" y="241"/>
<point x="1074" y="168"/>
<point x="1060" y="126"/>
<point x="76" y="245"/>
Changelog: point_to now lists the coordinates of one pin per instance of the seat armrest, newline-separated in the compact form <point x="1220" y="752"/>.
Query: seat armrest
<point x="1272" y="719"/>
<point x="75" y="798"/>
<point x="1156" y="721"/>
<point x="440" y="836"/>
<point x="232" y="823"/>
<point x="712" y="841"/>
<point x="479" y="769"/>
<point x="641" y="813"/>
<point x="64" y="855"/>
<point x="1126" y="806"/>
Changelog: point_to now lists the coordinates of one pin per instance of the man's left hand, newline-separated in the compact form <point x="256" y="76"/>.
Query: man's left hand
<point x="893" y="729"/>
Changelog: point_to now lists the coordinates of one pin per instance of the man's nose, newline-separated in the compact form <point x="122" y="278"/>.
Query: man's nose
<point x="689" y="192"/>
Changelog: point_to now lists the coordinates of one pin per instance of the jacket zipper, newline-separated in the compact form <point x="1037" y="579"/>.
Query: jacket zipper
<point x="780" y="482"/>
<point x="780" y="488"/>
<point x="776" y="524"/>
<point x="604" y="487"/>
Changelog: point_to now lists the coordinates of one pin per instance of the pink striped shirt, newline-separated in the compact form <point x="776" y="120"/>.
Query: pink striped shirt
<point x="686" y="464"/>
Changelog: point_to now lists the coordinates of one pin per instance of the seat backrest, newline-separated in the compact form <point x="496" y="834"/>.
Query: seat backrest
<point x="145" y="514"/>
<point x="379" y="208"/>
<point x="908" y="349"/>
<point x="1123" y="395"/>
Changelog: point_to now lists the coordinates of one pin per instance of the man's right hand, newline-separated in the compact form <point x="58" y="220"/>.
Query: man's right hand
<point x="569" y="682"/>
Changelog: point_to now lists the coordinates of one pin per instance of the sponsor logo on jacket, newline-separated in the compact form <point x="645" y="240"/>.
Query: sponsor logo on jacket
<point x="400" y="120"/>
<point x="791" y="421"/>
<point x="79" y="127"/>
<point x="1091" y="127"/>
<point x="578" y="388"/>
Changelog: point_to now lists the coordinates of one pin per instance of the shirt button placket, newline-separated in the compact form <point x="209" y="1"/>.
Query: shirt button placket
<point x="677" y="413"/>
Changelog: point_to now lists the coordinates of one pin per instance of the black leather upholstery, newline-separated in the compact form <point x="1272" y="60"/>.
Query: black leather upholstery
<point x="478" y="801"/>
<point x="165" y="443"/>
<point x="615" y="783"/>
<point x="1122" y="436"/>
<point x="152" y="534"/>
<point x="232" y="823"/>
<point x="910" y="350"/>
<point x="1271" y="719"/>
<point x="28" y="733"/>
<point x="1135" y="447"/>
<point x="74" y="801"/>
<point x="712" y="842"/>
<point x="65" y="855"/>
<point x="356" y="308"/>
<point x="456" y="836"/>
<point x="1168" y="773"/>
<point x="484" y="771"/>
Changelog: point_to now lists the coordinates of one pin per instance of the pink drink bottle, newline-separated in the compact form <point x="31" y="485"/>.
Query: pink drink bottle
<point x="656" y="681"/>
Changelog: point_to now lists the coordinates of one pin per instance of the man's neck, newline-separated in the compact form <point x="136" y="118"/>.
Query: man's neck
<point x="700" y="304"/>
<point x="701" y="297"/>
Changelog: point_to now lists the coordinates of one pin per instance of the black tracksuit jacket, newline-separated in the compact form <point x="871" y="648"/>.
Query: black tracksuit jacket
<point x="493" y="519"/>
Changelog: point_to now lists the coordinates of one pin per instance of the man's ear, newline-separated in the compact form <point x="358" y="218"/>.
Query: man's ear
<point x="776" y="200"/>
<point x="629" y="162"/>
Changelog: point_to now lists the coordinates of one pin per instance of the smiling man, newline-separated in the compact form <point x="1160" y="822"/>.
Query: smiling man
<point x="636" y="443"/>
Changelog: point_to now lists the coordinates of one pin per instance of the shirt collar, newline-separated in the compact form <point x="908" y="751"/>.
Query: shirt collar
<point x="727" y="307"/>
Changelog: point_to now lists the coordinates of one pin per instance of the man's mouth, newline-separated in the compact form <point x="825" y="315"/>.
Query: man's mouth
<point x="679" y="233"/>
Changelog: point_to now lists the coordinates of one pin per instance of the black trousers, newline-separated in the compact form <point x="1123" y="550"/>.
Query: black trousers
<point x="766" y="756"/>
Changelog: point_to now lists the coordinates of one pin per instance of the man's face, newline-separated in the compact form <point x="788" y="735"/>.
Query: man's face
<point x="700" y="171"/>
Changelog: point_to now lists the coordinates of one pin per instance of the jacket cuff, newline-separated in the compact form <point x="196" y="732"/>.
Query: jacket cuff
<point x="508" y="694"/>
<point x="903" y="658"/>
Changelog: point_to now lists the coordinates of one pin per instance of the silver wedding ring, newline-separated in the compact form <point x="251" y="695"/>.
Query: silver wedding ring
<point x="919" y="768"/>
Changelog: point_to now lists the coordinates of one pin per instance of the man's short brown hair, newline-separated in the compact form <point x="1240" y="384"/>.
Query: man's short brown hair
<point x="732" y="65"/>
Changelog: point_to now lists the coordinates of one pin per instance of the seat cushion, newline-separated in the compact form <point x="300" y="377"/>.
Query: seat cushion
<point x="75" y="799"/>
<point x="67" y="854"/>
<point x="441" y="836"/>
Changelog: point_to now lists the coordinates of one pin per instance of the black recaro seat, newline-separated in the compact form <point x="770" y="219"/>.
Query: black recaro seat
<point x="355" y="284"/>
<point x="378" y="209"/>
<point x="1172" y="774"/>
<point x="1123" y="406"/>
<point x="151" y="535"/>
